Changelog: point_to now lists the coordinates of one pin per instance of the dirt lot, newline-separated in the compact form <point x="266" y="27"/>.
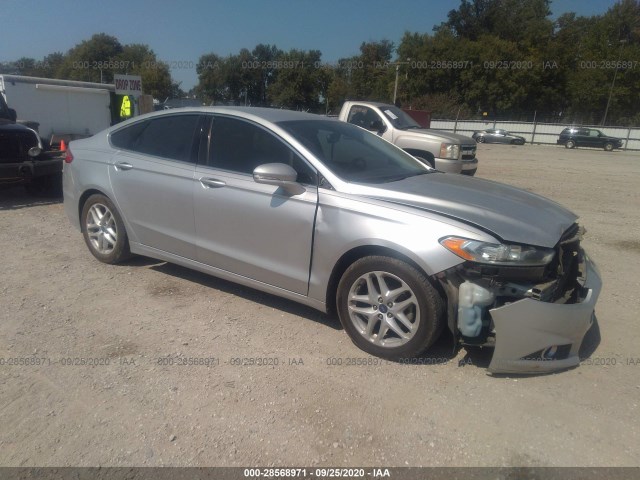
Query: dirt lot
<point x="137" y="408"/>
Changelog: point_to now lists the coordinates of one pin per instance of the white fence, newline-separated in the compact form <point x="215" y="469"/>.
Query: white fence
<point x="542" y="133"/>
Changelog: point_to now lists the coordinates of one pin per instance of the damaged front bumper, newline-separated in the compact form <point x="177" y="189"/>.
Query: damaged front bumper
<point x="533" y="336"/>
<point x="532" y="327"/>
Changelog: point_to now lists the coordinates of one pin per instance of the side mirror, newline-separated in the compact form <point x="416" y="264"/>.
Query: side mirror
<point x="377" y="126"/>
<point x="34" y="152"/>
<point x="279" y="174"/>
<point x="13" y="115"/>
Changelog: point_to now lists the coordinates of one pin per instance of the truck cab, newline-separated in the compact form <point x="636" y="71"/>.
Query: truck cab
<point x="448" y="152"/>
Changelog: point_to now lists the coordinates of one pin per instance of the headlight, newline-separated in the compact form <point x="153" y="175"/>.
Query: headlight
<point x="449" y="150"/>
<point x="496" y="253"/>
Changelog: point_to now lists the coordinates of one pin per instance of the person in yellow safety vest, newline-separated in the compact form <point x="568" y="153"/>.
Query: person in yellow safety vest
<point x="125" y="107"/>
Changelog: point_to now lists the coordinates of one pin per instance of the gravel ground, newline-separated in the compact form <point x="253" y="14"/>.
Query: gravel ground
<point x="143" y="324"/>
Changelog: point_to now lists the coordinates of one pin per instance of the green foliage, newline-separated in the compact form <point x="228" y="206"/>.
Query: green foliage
<point x="97" y="60"/>
<point x="504" y="57"/>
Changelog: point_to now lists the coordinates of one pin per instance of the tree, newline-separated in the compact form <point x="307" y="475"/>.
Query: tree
<point x="299" y="84"/>
<point x="515" y="20"/>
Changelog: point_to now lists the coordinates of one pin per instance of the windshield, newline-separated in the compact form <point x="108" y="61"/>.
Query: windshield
<point x="399" y="118"/>
<point x="354" y="154"/>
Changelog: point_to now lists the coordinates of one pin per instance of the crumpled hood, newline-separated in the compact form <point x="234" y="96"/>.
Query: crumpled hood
<point x="511" y="214"/>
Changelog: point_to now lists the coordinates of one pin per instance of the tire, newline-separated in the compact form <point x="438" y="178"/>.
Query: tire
<point x="480" y="139"/>
<point x="104" y="231"/>
<point x="409" y="320"/>
<point x="570" y="144"/>
<point x="608" y="147"/>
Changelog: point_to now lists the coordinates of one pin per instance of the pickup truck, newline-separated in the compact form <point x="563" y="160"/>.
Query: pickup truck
<point x="448" y="152"/>
<point x="22" y="157"/>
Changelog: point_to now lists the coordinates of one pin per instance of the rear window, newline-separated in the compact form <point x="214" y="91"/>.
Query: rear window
<point x="170" y="136"/>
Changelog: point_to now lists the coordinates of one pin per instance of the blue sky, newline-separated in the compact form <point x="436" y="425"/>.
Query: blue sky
<point x="182" y="31"/>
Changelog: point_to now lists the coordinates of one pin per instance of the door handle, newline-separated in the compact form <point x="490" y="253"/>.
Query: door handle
<point x="212" y="182"/>
<point x="123" y="166"/>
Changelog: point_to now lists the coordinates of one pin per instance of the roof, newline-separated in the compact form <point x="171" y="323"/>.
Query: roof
<point x="375" y="104"/>
<point x="56" y="81"/>
<point x="269" y="114"/>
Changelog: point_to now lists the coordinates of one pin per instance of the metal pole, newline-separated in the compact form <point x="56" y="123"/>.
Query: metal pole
<point x="533" y="135"/>
<point x="455" y="125"/>
<point x="613" y="82"/>
<point x="395" y="88"/>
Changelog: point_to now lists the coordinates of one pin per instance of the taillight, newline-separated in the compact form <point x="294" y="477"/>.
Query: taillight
<point x="68" y="158"/>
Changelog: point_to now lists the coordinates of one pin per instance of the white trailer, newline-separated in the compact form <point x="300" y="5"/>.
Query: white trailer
<point x="62" y="108"/>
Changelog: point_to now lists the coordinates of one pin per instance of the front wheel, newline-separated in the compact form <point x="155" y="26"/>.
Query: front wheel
<point x="570" y="144"/>
<point x="104" y="231"/>
<point x="480" y="139"/>
<point x="388" y="308"/>
<point x="608" y="146"/>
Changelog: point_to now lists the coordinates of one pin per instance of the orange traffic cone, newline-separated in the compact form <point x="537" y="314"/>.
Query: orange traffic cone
<point x="63" y="146"/>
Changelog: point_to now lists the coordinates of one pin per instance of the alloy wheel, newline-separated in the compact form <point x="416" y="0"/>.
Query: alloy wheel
<point x="101" y="228"/>
<point x="383" y="309"/>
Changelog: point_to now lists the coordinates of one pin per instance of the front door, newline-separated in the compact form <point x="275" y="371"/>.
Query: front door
<point x="254" y="230"/>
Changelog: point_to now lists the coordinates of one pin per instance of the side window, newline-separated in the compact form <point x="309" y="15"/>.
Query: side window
<point x="168" y="137"/>
<point x="362" y="116"/>
<point x="125" y="137"/>
<point x="240" y="147"/>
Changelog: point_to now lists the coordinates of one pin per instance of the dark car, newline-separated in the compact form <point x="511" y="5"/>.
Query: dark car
<point x="588" y="137"/>
<point x="22" y="158"/>
<point x="493" y="135"/>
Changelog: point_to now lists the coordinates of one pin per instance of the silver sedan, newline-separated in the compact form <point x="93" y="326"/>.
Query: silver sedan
<point x="329" y="215"/>
<point x="493" y="135"/>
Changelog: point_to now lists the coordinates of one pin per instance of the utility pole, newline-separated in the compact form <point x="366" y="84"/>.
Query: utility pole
<point x="395" y="88"/>
<point x="613" y="82"/>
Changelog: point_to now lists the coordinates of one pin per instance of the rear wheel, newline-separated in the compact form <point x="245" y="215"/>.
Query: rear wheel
<point x="570" y="144"/>
<point x="104" y="231"/>
<point x="608" y="146"/>
<point x="388" y="308"/>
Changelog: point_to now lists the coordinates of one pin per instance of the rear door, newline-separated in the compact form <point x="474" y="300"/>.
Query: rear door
<point x="152" y="178"/>
<point x="254" y="230"/>
<point x="582" y="138"/>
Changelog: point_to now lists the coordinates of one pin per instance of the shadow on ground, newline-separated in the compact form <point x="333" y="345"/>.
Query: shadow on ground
<point x="247" y="293"/>
<point x="15" y="197"/>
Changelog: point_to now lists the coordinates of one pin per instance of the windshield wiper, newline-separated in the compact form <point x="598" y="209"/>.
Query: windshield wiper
<point x="397" y="178"/>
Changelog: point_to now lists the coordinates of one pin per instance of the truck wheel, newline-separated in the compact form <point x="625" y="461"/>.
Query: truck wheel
<point x="570" y="144"/>
<point x="103" y="230"/>
<point x="608" y="146"/>
<point x="427" y="161"/>
<point x="388" y="308"/>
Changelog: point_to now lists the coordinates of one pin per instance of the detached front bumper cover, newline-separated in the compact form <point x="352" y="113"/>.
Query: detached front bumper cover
<point x="537" y="337"/>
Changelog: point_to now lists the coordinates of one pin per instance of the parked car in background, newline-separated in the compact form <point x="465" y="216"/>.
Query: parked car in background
<point x="332" y="216"/>
<point x="446" y="151"/>
<point x="588" y="137"/>
<point x="493" y="135"/>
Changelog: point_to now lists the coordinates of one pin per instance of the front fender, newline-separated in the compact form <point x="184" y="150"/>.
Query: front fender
<point x="344" y="223"/>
